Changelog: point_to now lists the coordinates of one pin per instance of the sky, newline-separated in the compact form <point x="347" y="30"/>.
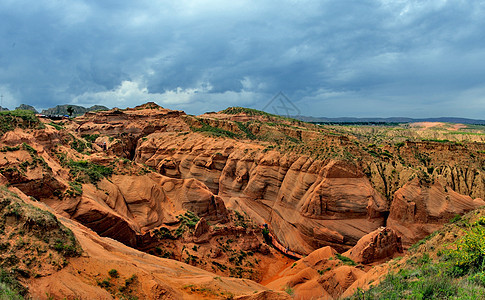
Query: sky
<point x="378" y="58"/>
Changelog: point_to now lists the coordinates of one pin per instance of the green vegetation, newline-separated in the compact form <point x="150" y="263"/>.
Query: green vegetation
<point x="126" y="288"/>
<point x="10" y="287"/>
<point x="90" y="137"/>
<point x="113" y="273"/>
<point x="244" y="128"/>
<point x="33" y="240"/>
<point x="56" y="126"/>
<point x="84" y="171"/>
<point x="289" y="290"/>
<point x="248" y="111"/>
<point x="321" y="272"/>
<point x="266" y="236"/>
<point x="79" y="145"/>
<point x="254" y="112"/>
<point x="26" y="119"/>
<point x="7" y="148"/>
<point x="345" y="260"/>
<point x="423" y="241"/>
<point x="213" y="130"/>
<point x="75" y="189"/>
<point x="163" y="233"/>
<point x="240" y="220"/>
<point x="457" y="270"/>
<point x="187" y="221"/>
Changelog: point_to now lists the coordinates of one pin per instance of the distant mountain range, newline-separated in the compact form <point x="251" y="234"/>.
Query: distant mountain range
<point x="77" y="110"/>
<point x="60" y="110"/>
<point x="388" y="120"/>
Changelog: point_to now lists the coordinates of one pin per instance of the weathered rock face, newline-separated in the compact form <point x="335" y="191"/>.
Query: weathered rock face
<point x="127" y="207"/>
<point x="320" y="275"/>
<point x="265" y="295"/>
<point x="308" y="203"/>
<point x="129" y="125"/>
<point x="201" y="227"/>
<point x="377" y="245"/>
<point x="419" y="209"/>
<point x="74" y="274"/>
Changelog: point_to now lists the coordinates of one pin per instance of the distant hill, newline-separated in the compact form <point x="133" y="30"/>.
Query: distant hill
<point x="27" y="107"/>
<point x="3" y="109"/>
<point x="77" y="110"/>
<point x="388" y="120"/>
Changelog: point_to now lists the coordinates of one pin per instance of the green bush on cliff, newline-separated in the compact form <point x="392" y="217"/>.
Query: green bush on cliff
<point x="31" y="240"/>
<point x="85" y="171"/>
<point x="213" y="130"/>
<point x="457" y="271"/>
<point x="9" y="120"/>
<point x="187" y="221"/>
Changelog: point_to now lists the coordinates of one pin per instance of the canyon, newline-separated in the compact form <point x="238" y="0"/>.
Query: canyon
<point x="183" y="202"/>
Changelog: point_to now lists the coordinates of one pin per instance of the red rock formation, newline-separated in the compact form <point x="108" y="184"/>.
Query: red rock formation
<point x="128" y="125"/>
<point x="126" y="207"/>
<point x="419" y="208"/>
<point x="265" y="295"/>
<point x="377" y="245"/>
<point x="201" y="228"/>
<point x="334" y="202"/>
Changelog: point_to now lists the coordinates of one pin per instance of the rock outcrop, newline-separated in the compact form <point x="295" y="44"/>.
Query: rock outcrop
<point x="420" y="208"/>
<point x="122" y="128"/>
<point x="201" y="227"/>
<point x="81" y="261"/>
<point x="127" y="207"/>
<point x="380" y="244"/>
<point x="333" y="200"/>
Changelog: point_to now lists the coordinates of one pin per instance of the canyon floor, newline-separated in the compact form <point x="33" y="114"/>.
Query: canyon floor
<point x="152" y="203"/>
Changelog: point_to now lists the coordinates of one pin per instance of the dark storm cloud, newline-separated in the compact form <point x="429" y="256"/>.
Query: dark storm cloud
<point x="332" y="58"/>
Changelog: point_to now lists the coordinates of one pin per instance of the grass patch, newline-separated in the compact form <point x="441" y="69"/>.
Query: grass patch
<point x="214" y="130"/>
<point x="187" y="221"/>
<point x="244" y="128"/>
<point x="79" y="145"/>
<point x="85" y="171"/>
<point x="56" y="126"/>
<point x="26" y="119"/>
<point x="90" y="137"/>
<point x="254" y="112"/>
<point x="458" y="271"/>
<point x="345" y="260"/>
<point x="33" y="241"/>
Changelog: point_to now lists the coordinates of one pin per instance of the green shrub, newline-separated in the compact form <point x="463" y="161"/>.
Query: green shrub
<point x="345" y="260"/>
<point x="455" y="219"/>
<point x="458" y="273"/>
<point x="86" y="171"/>
<point x="289" y="290"/>
<point x="213" y="130"/>
<point x="79" y="145"/>
<point x="130" y="280"/>
<point x="26" y="119"/>
<point x="7" y="148"/>
<point x="10" y="286"/>
<point x="56" y="126"/>
<point x="105" y="283"/>
<point x="187" y="221"/>
<point x="76" y="189"/>
<point x="90" y="137"/>
<point x="470" y="249"/>
<point x="113" y="273"/>
<point x="246" y="130"/>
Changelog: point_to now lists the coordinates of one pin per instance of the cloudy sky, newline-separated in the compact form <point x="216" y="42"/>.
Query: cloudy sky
<point x="337" y="58"/>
